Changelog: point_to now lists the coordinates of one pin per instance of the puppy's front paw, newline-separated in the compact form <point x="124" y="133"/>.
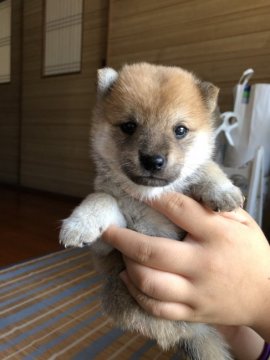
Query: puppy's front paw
<point x="75" y="234"/>
<point x="225" y="198"/>
<point x="89" y="220"/>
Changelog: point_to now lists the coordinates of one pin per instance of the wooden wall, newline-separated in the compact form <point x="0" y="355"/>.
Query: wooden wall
<point x="10" y="94"/>
<point x="57" y="110"/>
<point x="217" y="39"/>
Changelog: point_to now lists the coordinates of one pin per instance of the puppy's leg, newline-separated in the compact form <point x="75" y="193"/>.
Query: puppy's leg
<point x="89" y="220"/>
<point x="215" y="190"/>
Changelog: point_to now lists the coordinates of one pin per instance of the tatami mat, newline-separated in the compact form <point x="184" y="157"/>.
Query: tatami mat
<point x="49" y="309"/>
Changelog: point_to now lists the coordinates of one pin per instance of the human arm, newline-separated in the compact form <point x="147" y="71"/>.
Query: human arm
<point x="220" y="274"/>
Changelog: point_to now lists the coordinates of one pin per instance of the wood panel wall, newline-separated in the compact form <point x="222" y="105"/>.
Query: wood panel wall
<point x="217" y="39"/>
<point x="10" y="94"/>
<point x="57" y="110"/>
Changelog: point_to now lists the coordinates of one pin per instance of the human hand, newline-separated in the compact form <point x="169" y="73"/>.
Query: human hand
<point x="220" y="273"/>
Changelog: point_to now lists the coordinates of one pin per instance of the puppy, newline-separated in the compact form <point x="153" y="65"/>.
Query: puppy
<point x="152" y="132"/>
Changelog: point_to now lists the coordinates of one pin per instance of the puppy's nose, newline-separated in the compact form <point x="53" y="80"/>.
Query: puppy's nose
<point x="152" y="162"/>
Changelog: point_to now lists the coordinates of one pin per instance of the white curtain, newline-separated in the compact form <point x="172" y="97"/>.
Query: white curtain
<point x="5" y="36"/>
<point x="63" y="36"/>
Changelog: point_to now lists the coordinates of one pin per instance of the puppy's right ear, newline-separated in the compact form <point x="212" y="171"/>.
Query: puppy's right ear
<point x="209" y="94"/>
<point x="106" y="77"/>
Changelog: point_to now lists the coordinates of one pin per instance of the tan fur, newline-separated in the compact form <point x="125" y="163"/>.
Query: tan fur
<point x="156" y="93"/>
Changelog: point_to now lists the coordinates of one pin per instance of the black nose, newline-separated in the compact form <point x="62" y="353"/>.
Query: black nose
<point x="152" y="162"/>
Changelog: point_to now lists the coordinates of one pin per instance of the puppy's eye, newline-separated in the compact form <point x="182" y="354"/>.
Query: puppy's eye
<point x="128" y="127"/>
<point x="180" y="131"/>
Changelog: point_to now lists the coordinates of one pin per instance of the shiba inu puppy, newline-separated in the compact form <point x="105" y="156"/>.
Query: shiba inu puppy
<point x="152" y="132"/>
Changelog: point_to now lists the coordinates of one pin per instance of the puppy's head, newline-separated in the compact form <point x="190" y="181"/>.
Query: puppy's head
<point x="153" y="124"/>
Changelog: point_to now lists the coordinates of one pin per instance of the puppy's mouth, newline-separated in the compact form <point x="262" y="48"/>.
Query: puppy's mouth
<point x="145" y="177"/>
<point x="150" y="180"/>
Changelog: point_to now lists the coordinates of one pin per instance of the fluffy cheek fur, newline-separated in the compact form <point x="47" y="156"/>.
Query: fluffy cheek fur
<point x="200" y="151"/>
<point x="104" y="147"/>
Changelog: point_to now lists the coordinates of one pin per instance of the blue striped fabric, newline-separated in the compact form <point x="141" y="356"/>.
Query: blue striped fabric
<point x="49" y="309"/>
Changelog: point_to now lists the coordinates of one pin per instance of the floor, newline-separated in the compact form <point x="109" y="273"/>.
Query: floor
<point x="30" y="223"/>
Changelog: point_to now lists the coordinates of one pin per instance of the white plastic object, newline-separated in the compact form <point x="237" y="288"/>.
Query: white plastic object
<point x="245" y="77"/>
<point x="239" y="91"/>
<point x="256" y="187"/>
<point x="227" y="126"/>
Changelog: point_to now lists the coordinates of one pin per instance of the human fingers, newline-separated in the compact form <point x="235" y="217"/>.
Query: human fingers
<point x="238" y="215"/>
<point x="160" y="309"/>
<point x="160" y="285"/>
<point x="199" y="221"/>
<point x="156" y="252"/>
<point x="188" y="214"/>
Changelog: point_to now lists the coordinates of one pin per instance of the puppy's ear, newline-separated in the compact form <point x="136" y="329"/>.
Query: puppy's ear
<point x="209" y="94"/>
<point x="105" y="80"/>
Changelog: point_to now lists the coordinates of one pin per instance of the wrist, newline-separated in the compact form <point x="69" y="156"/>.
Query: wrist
<point x="263" y="329"/>
<point x="261" y="324"/>
<point x="245" y="343"/>
<point x="265" y="354"/>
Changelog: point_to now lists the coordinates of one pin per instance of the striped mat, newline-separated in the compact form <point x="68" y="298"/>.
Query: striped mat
<point x="49" y="309"/>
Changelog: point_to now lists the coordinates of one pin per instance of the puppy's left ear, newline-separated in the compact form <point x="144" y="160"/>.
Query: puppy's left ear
<point x="209" y="94"/>
<point x="106" y="77"/>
